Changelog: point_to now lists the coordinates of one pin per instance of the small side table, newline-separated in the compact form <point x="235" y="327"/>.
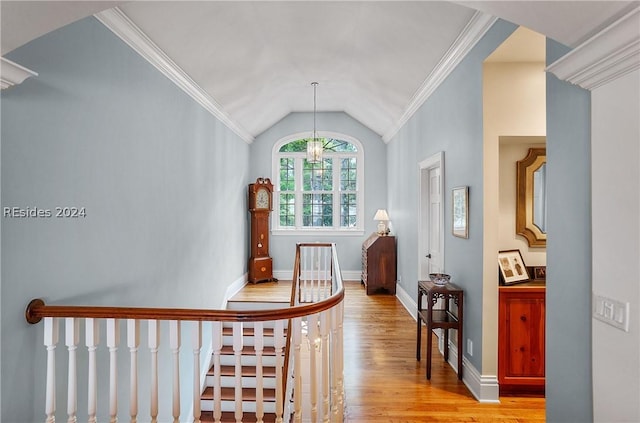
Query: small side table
<point x="440" y="318"/>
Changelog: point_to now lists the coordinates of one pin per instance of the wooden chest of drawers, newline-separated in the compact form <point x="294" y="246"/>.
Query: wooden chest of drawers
<point x="379" y="264"/>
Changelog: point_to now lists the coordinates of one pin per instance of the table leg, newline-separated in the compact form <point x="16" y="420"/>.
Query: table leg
<point x="429" y="348"/>
<point x="419" y="320"/>
<point x="460" y="337"/>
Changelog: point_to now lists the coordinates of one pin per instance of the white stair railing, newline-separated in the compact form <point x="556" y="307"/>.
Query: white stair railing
<point x="316" y="392"/>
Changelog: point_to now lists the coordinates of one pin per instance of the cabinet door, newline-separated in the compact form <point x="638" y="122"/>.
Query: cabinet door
<point x="521" y="333"/>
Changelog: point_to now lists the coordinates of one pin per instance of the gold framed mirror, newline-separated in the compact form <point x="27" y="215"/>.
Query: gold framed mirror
<point x="531" y="199"/>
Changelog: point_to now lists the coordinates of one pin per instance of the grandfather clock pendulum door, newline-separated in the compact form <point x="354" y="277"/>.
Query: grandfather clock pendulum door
<point x="260" y="200"/>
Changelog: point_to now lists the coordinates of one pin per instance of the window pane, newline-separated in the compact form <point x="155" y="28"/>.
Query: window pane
<point x="287" y="210"/>
<point x="317" y="210"/>
<point x="348" y="210"/>
<point x="296" y="146"/>
<point x="287" y="174"/>
<point x="348" y="174"/>
<point x="318" y="176"/>
<point x="338" y="145"/>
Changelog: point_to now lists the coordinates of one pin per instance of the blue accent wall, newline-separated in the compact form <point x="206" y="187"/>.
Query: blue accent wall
<point x="450" y="121"/>
<point x="568" y="320"/>
<point x="163" y="183"/>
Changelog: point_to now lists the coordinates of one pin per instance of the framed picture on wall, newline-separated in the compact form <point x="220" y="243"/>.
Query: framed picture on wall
<point x="460" y="212"/>
<point x="512" y="267"/>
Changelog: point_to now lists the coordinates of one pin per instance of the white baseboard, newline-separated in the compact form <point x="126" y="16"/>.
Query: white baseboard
<point x="483" y="387"/>
<point x="409" y="303"/>
<point x="233" y="289"/>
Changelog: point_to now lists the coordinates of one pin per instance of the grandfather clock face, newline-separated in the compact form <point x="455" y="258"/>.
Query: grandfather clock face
<point x="262" y="199"/>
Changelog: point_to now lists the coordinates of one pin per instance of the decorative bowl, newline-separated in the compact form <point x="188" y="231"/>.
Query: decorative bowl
<point x="439" y="278"/>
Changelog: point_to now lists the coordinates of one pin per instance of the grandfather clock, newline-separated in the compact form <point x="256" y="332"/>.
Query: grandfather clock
<point x="260" y="200"/>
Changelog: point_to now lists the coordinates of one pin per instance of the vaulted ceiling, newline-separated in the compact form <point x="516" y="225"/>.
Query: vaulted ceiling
<point x="256" y="60"/>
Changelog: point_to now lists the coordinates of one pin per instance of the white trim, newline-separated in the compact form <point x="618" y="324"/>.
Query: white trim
<point x="317" y="232"/>
<point x="434" y="161"/>
<point x="483" y="387"/>
<point x="120" y="24"/>
<point x="233" y="289"/>
<point x="473" y="32"/>
<point x="608" y="55"/>
<point x="12" y="73"/>
<point x="409" y="303"/>
<point x="275" y="172"/>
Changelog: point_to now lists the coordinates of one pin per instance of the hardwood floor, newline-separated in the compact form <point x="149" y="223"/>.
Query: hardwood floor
<point x="383" y="380"/>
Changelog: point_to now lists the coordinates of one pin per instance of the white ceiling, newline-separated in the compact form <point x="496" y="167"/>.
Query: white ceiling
<point x="257" y="59"/>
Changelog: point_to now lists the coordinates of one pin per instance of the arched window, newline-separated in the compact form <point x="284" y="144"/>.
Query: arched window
<point x="318" y="197"/>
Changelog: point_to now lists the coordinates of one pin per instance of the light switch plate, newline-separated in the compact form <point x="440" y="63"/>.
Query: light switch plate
<point x="610" y="311"/>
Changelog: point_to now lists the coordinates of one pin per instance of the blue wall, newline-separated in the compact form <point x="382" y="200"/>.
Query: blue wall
<point x="450" y="121"/>
<point x="163" y="183"/>
<point x="349" y="248"/>
<point x="568" y="320"/>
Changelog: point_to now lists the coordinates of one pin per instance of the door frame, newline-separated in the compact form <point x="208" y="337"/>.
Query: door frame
<point x="432" y="162"/>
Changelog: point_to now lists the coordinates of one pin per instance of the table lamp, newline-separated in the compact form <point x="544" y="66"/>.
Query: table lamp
<point x="382" y="217"/>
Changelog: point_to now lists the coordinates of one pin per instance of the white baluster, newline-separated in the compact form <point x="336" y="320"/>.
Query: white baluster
<point x="324" y="333"/>
<point x="340" y="359"/>
<point x="197" y="345"/>
<point x="72" y="338"/>
<point x="278" y="339"/>
<point x="216" y="345"/>
<point x="113" y="340"/>
<point x="91" y="341"/>
<point x="174" y="344"/>
<point x="50" y="341"/>
<point x="296" y="336"/>
<point x="258" y="341"/>
<point x="307" y="270"/>
<point x="133" y="342"/>
<point x="314" y="345"/>
<point x="154" y="343"/>
<point x="237" y="352"/>
<point x="337" y="385"/>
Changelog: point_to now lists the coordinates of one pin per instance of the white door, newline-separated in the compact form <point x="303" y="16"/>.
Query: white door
<point x="431" y="237"/>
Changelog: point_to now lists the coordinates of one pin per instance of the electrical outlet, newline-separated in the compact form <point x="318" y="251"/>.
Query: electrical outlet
<point x="469" y="347"/>
<point x="399" y="279"/>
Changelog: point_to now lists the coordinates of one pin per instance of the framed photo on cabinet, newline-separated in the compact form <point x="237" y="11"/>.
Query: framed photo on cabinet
<point x="460" y="212"/>
<point x="512" y="268"/>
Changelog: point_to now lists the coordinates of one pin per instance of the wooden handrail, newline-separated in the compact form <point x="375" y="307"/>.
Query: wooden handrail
<point x="37" y="309"/>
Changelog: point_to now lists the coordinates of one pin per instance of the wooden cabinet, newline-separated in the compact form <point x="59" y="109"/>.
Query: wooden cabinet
<point x="379" y="264"/>
<point x="521" y="344"/>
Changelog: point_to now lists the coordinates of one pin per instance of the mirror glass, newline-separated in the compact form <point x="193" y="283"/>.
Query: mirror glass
<point x="540" y="198"/>
<point x="531" y="204"/>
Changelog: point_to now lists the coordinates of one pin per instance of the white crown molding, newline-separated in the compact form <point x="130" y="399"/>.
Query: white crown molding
<point x="475" y="29"/>
<point x="606" y="56"/>
<point x="12" y="73"/>
<point x="120" y="24"/>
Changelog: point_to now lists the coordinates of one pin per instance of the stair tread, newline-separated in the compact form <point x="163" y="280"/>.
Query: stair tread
<point x="248" y="371"/>
<point x="248" y="350"/>
<point x="248" y="394"/>
<point x="207" y="417"/>
<point x="247" y="331"/>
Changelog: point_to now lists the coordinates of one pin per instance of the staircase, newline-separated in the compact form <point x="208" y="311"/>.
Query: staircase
<point x="246" y="361"/>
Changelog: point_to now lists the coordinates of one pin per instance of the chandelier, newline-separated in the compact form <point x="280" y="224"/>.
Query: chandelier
<point x="314" y="145"/>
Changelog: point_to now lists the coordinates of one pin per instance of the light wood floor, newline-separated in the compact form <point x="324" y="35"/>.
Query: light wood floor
<point x="383" y="380"/>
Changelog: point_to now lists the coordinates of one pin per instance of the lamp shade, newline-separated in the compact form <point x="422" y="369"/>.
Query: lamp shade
<point x="381" y="214"/>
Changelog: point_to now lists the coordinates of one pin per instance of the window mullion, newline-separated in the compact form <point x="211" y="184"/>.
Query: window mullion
<point x="336" y="166"/>
<point x="298" y="190"/>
